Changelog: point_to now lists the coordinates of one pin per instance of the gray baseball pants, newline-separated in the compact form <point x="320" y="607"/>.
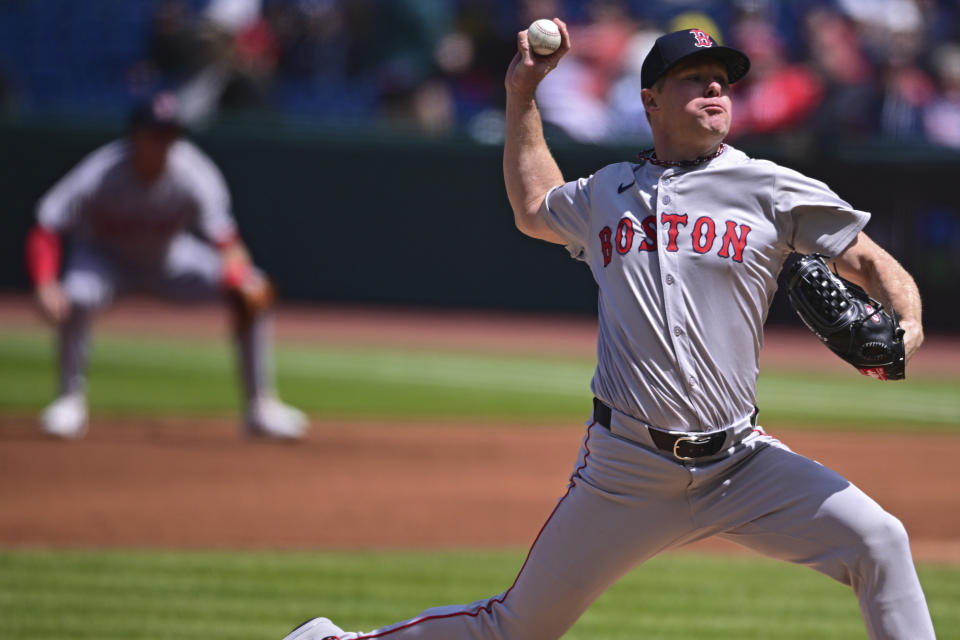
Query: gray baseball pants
<point x="188" y="272"/>
<point x="628" y="501"/>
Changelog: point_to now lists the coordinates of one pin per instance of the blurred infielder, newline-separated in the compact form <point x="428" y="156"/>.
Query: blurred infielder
<point x="131" y="211"/>
<point x="685" y="246"/>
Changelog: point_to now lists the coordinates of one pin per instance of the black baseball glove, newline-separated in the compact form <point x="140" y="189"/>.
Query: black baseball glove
<point x="851" y="323"/>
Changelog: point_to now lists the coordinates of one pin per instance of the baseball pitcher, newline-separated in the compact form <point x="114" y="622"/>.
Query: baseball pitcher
<point x="686" y="245"/>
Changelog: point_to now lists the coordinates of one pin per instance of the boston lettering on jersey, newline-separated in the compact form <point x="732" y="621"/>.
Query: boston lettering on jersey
<point x="703" y="236"/>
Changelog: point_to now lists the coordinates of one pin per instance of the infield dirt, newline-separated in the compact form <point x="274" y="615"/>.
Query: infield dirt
<point x="198" y="483"/>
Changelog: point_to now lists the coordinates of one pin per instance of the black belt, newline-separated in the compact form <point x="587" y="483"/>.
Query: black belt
<point x="681" y="446"/>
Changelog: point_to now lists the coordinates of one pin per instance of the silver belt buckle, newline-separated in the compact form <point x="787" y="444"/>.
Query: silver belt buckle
<point x="691" y="440"/>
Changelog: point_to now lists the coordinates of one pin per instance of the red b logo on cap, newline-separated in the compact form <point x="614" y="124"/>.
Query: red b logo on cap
<point x="702" y="39"/>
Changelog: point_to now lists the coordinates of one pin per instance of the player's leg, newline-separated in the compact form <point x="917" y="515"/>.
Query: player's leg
<point x="90" y="283"/>
<point x="611" y="519"/>
<point x="792" y="508"/>
<point x="192" y="272"/>
<point x="265" y="415"/>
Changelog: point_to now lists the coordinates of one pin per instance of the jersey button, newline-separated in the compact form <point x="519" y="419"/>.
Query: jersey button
<point x="670" y="278"/>
<point x="666" y="199"/>
<point x="677" y="331"/>
<point x="692" y="380"/>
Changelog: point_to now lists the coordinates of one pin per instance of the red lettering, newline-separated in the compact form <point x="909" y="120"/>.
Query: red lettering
<point x="624" y="236"/>
<point x="650" y="229"/>
<point x="703" y="236"/>
<point x="605" y="245"/>
<point x="704" y="233"/>
<point x="731" y="239"/>
<point x="675" y="220"/>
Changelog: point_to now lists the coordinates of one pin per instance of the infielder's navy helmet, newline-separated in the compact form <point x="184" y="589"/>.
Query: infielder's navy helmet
<point x="671" y="48"/>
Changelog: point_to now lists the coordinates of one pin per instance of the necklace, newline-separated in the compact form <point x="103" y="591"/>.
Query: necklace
<point x="650" y="155"/>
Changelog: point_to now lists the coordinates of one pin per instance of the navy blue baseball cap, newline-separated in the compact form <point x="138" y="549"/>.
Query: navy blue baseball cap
<point x="671" y="48"/>
<point x="159" y="112"/>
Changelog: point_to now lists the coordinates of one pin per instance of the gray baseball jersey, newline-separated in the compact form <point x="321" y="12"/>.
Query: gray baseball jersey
<point x="686" y="260"/>
<point x="103" y="203"/>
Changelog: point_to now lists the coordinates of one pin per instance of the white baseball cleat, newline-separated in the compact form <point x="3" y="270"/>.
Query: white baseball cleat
<point x="65" y="417"/>
<point x="316" y="629"/>
<point x="268" y="417"/>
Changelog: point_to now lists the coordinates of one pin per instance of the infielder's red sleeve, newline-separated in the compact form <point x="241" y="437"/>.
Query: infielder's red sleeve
<point x="235" y="273"/>
<point x="42" y="253"/>
<point x="237" y="267"/>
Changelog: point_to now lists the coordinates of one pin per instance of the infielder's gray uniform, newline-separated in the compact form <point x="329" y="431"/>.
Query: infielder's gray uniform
<point x="126" y="236"/>
<point x="686" y="260"/>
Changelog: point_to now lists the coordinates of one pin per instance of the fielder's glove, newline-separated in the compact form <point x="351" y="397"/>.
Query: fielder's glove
<point x="851" y="323"/>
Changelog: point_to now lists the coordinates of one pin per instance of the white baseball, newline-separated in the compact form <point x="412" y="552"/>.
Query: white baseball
<point x="543" y="36"/>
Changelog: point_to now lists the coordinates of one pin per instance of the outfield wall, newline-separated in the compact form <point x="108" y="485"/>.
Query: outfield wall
<point x="402" y="220"/>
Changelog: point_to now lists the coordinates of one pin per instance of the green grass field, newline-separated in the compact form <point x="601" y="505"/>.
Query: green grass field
<point x="133" y="595"/>
<point x="132" y="375"/>
<point x="149" y="594"/>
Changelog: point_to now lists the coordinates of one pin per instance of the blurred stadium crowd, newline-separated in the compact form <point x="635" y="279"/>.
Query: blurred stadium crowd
<point x="822" y="70"/>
